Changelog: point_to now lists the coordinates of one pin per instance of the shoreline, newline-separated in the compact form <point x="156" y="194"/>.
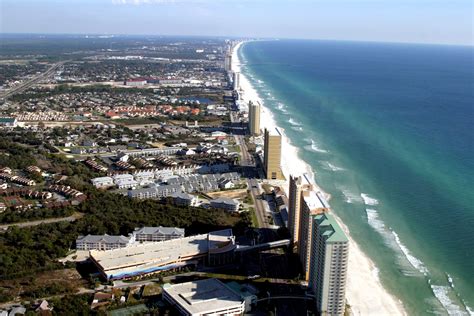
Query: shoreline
<point x="374" y="299"/>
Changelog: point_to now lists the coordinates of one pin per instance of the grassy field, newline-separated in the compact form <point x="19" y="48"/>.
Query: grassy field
<point x="253" y="216"/>
<point x="232" y="194"/>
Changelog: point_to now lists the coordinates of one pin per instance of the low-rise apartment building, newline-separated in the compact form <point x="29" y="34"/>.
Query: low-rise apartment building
<point x="102" y="182"/>
<point x="183" y="199"/>
<point x="157" y="233"/>
<point x="102" y="242"/>
<point x="223" y="203"/>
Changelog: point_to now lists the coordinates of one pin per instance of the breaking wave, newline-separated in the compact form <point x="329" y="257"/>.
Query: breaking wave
<point x="374" y="220"/>
<point x="293" y="122"/>
<point x="368" y="200"/>
<point x="441" y="292"/>
<point x="282" y="107"/>
<point x="329" y="166"/>
<point x="349" y="196"/>
<point x="392" y="240"/>
<point x="314" y="147"/>
<point x="415" y="262"/>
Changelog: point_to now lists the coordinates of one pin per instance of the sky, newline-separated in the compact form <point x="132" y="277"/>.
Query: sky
<point x="419" y="21"/>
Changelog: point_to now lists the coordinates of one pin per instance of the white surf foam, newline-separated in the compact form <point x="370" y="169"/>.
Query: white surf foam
<point x="281" y="107"/>
<point x="329" y="166"/>
<point x="390" y="239"/>
<point x="415" y="262"/>
<point x="349" y="196"/>
<point x="368" y="200"/>
<point x="441" y="293"/>
<point x="450" y="280"/>
<point x="375" y="272"/>
<point x="297" y="128"/>
<point x="293" y="122"/>
<point x="374" y="220"/>
<point x="313" y="146"/>
<point x="469" y="310"/>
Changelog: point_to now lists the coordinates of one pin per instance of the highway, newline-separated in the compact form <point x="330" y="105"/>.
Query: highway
<point x="24" y="85"/>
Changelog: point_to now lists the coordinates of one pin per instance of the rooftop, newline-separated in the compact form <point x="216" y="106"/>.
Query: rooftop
<point x="312" y="200"/>
<point x="7" y="119"/>
<point x="225" y="200"/>
<point x="103" y="238"/>
<point x="148" y="257"/>
<point x="182" y="195"/>
<point x="329" y="228"/>
<point x="203" y="296"/>
<point x="274" y="132"/>
<point x="160" y="230"/>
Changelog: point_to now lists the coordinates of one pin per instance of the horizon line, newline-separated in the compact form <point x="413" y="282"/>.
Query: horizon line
<point x="243" y="38"/>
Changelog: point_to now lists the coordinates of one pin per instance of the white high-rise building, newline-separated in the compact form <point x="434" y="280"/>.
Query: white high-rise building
<point x="328" y="267"/>
<point x="236" y="80"/>
<point x="228" y="62"/>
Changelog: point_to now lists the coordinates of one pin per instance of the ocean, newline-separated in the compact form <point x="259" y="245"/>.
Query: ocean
<point x="389" y="132"/>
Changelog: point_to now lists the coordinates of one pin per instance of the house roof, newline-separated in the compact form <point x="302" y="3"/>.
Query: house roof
<point x="182" y="195"/>
<point x="103" y="238"/>
<point x="224" y="200"/>
<point x="142" y="191"/>
<point x="7" y="119"/>
<point x="173" y="188"/>
<point x="159" y="230"/>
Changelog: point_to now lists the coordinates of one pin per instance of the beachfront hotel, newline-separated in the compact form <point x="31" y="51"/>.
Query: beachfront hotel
<point x="312" y="204"/>
<point x="228" y="62"/>
<point x="272" y="154"/>
<point x="236" y="80"/>
<point x="328" y="267"/>
<point x="297" y="186"/>
<point x="254" y="118"/>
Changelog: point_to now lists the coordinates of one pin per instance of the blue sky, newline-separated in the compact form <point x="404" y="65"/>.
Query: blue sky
<point x="423" y="21"/>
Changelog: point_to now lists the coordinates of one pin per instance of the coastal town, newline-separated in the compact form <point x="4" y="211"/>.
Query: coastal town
<point x="150" y="179"/>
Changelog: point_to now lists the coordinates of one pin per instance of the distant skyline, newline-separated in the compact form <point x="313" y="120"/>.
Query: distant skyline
<point x="416" y="21"/>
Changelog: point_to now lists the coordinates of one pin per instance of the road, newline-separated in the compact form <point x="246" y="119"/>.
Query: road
<point x="172" y="278"/>
<point x="247" y="162"/>
<point x="166" y="279"/>
<point x="22" y="86"/>
<point x="250" y="171"/>
<point x="71" y="218"/>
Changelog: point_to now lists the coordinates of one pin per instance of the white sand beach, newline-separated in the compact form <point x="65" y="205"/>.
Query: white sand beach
<point x="365" y="293"/>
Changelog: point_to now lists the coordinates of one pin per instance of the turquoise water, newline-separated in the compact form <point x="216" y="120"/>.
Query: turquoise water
<point x="388" y="129"/>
